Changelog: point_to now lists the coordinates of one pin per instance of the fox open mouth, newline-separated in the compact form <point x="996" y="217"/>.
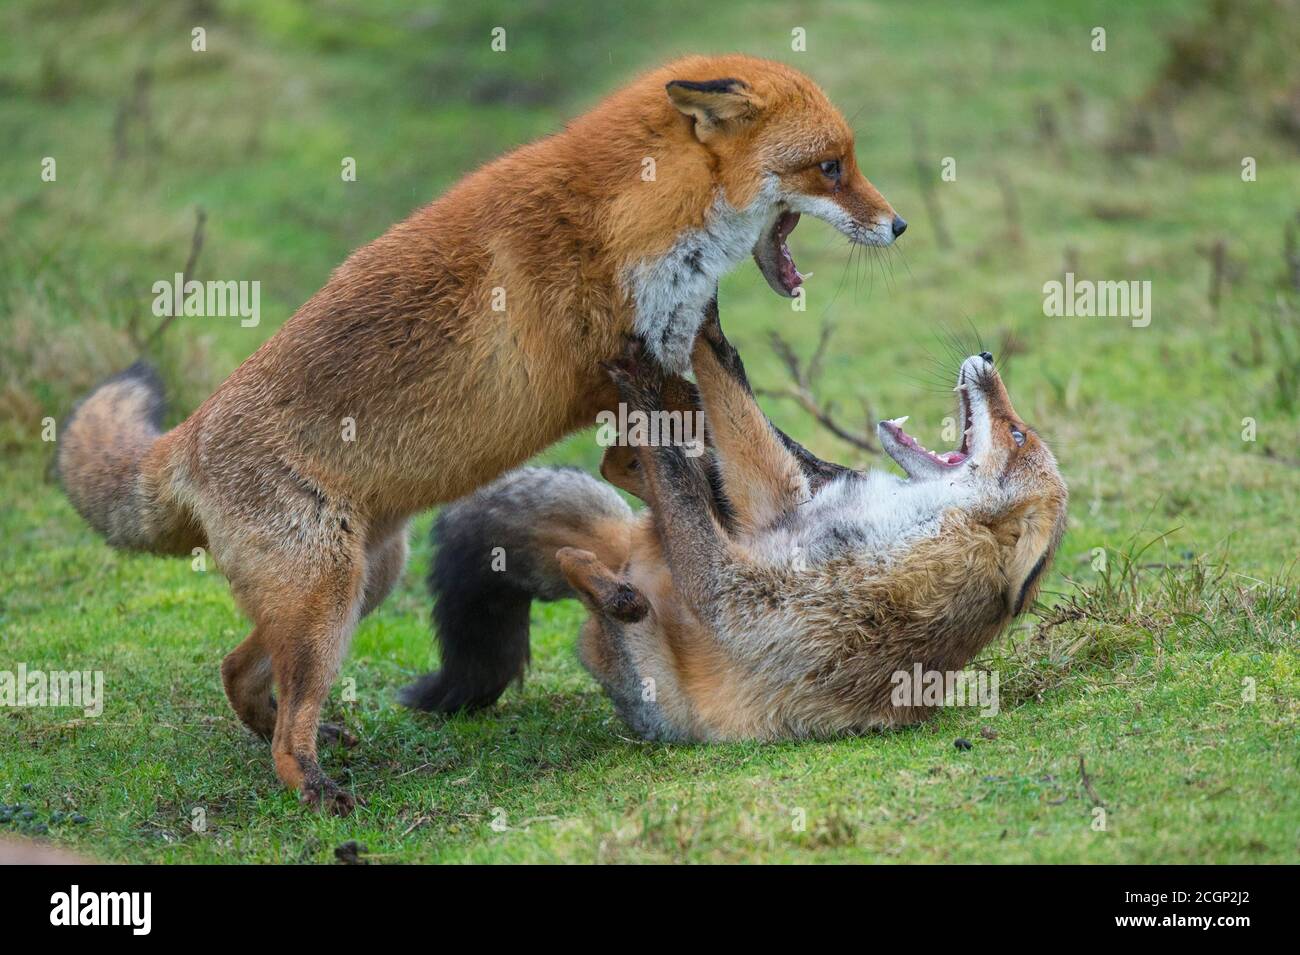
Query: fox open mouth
<point x="774" y="258"/>
<point x="918" y="460"/>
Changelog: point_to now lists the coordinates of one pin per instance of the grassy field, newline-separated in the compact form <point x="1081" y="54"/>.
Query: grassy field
<point x="1149" y="709"/>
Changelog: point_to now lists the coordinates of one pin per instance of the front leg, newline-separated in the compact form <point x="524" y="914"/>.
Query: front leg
<point x="815" y="470"/>
<point x="620" y="465"/>
<point x="679" y="492"/>
<point x="761" y="476"/>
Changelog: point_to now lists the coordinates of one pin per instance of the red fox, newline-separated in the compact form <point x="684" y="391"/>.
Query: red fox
<point x="765" y="594"/>
<point x="451" y="348"/>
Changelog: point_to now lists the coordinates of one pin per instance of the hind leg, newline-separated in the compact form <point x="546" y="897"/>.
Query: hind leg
<point x="246" y="675"/>
<point x="385" y="561"/>
<point x="306" y="650"/>
<point x="624" y="648"/>
<point x="600" y="588"/>
<point x="304" y="597"/>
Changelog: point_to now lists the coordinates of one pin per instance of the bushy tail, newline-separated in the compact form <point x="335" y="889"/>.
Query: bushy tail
<point x="495" y="554"/>
<point x="105" y="468"/>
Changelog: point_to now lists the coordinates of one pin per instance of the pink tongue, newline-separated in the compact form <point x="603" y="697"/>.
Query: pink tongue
<point x="952" y="457"/>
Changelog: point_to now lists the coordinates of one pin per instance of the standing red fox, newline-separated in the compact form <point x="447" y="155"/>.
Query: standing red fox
<point x="457" y="344"/>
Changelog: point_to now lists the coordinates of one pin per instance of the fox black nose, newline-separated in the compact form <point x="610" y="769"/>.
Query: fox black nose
<point x="899" y="225"/>
<point x="987" y="357"/>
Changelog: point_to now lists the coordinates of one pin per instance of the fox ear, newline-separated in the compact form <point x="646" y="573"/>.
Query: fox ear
<point x="1032" y="553"/>
<point x="713" y="103"/>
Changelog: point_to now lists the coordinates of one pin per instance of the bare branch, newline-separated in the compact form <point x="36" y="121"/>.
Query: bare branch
<point x="1011" y="208"/>
<point x="1087" y="783"/>
<point x="814" y="370"/>
<point x="1217" y="253"/>
<point x="191" y="263"/>
<point x="802" y="391"/>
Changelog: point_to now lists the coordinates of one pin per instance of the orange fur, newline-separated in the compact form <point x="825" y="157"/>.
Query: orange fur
<point x="836" y="632"/>
<point x="405" y="344"/>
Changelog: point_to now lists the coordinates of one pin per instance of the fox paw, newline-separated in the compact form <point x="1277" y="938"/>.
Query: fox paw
<point x="711" y="328"/>
<point x="626" y="603"/>
<point x="335" y="733"/>
<point x="725" y="352"/>
<point x="328" y="796"/>
<point x="638" y="376"/>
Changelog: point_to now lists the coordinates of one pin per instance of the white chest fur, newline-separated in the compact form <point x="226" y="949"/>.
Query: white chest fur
<point x="876" y="513"/>
<point x="670" y="291"/>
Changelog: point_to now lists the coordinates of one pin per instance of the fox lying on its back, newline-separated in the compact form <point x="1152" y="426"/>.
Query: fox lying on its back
<point x="768" y="594"/>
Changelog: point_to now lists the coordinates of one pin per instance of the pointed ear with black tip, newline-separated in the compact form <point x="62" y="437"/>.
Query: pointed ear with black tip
<point x="713" y="104"/>
<point x="1036" y="543"/>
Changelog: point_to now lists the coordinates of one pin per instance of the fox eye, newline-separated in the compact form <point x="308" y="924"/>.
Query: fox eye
<point x="1018" y="437"/>
<point x="830" y="168"/>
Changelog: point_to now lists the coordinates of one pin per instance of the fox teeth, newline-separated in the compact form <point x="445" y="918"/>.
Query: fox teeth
<point x="899" y="422"/>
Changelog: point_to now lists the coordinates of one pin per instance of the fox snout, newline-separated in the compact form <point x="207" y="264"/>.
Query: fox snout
<point x="875" y="221"/>
<point x="839" y="195"/>
<point x="847" y="200"/>
<point x="993" y="436"/>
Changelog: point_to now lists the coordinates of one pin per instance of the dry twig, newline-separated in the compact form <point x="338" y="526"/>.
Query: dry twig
<point x="802" y="390"/>
<point x="1087" y="784"/>
<point x="196" y="246"/>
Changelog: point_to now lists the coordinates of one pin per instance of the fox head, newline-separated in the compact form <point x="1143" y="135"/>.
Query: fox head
<point x="775" y="136"/>
<point x="1003" y="468"/>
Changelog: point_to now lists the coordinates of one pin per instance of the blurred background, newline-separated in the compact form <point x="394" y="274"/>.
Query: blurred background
<point x="1118" y="163"/>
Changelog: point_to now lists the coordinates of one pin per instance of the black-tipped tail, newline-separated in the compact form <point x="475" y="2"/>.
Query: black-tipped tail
<point x="482" y="625"/>
<point x="495" y="554"/>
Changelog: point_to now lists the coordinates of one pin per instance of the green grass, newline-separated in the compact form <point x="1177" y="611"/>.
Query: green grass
<point x="1173" y="672"/>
